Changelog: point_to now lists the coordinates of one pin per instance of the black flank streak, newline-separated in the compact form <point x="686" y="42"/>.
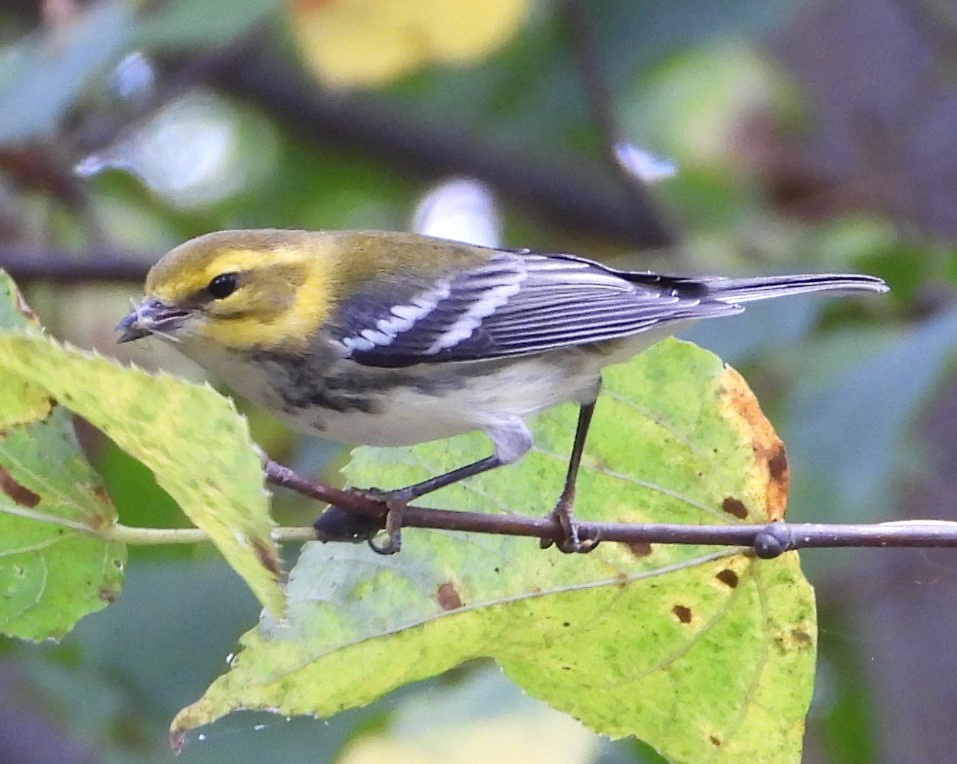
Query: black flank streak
<point x="319" y="381"/>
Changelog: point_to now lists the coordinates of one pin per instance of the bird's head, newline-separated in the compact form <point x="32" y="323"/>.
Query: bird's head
<point x="238" y="289"/>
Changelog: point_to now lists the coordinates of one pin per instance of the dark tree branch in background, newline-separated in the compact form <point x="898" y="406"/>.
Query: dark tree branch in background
<point x="572" y="196"/>
<point x="601" y="102"/>
<point x="61" y="266"/>
<point x="34" y="166"/>
<point x="767" y="541"/>
<point x="568" y="194"/>
<point x="43" y="168"/>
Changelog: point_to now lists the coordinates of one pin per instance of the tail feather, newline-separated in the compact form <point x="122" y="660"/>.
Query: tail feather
<point x="738" y="291"/>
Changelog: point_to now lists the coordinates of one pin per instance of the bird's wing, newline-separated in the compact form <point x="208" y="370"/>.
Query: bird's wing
<point x="516" y="303"/>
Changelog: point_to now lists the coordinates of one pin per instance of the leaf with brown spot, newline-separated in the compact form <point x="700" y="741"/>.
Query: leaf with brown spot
<point x="778" y="464"/>
<point x="192" y="438"/>
<point x="14" y="311"/>
<point x="769" y="476"/>
<point x="728" y="577"/>
<point x="17" y="492"/>
<point x="108" y="594"/>
<point x="51" y="572"/>
<point x="735" y="508"/>
<point x="447" y="596"/>
<point x="660" y="646"/>
<point x="640" y="548"/>
<point x="682" y="613"/>
<point x="266" y="554"/>
<point x="797" y="638"/>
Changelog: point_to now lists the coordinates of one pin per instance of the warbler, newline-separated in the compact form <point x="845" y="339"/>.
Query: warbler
<point x="386" y="339"/>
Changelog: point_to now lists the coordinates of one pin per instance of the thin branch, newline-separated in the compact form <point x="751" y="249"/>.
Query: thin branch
<point x="126" y="534"/>
<point x="154" y="536"/>
<point x="766" y="540"/>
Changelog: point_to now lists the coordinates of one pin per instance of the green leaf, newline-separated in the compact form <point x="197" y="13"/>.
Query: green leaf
<point x="706" y="653"/>
<point x="20" y="401"/>
<point x="190" y="437"/>
<point x="52" y="571"/>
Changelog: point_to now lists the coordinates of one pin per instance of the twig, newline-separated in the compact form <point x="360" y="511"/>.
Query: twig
<point x="766" y="540"/>
<point x="127" y="534"/>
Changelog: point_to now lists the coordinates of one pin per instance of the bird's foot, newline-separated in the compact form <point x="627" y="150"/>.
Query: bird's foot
<point x="571" y="541"/>
<point x="395" y="503"/>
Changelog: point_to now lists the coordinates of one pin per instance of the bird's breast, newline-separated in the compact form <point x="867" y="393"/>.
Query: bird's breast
<point x="347" y="402"/>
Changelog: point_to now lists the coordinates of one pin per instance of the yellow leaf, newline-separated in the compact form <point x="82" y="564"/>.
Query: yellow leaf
<point x="371" y="42"/>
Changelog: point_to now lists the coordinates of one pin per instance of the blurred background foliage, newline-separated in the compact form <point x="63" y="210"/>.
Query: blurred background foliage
<point x="807" y="134"/>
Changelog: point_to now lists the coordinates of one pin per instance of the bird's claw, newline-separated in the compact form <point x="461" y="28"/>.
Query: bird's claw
<point x="571" y="541"/>
<point x="393" y="528"/>
<point x="395" y="502"/>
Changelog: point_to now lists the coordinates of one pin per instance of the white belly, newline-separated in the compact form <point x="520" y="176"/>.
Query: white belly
<point x="425" y="402"/>
<point x="484" y="402"/>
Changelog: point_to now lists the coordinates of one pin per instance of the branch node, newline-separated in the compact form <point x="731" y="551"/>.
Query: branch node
<point x="773" y="540"/>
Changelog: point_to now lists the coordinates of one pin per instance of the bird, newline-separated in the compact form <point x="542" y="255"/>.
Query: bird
<point x="388" y="338"/>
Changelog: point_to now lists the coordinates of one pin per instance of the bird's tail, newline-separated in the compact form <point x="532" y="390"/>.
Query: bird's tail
<point x="740" y="291"/>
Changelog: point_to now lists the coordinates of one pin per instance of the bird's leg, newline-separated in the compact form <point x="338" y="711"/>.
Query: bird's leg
<point x="563" y="511"/>
<point x="512" y="440"/>
<point x="397" y="500"/>
<point x="416" y="490"/>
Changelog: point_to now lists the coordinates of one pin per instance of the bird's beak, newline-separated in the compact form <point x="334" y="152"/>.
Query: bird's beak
<point x="151" y="316"/>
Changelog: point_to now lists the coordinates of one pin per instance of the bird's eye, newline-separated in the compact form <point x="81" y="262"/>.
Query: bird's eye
<point x="223" y="285"/>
